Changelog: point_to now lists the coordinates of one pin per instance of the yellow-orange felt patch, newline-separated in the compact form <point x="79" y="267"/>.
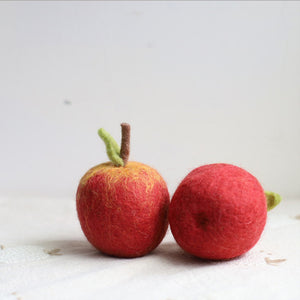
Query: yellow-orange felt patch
<point x="133" y="171"/>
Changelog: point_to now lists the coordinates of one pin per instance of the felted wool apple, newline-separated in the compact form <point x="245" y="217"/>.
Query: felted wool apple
<point x="219" y="211"/>
<point x="122" y="206"/>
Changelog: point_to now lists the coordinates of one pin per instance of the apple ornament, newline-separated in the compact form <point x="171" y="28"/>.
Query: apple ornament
<point x="122" y="206"/>
<point x="219" y="211"/>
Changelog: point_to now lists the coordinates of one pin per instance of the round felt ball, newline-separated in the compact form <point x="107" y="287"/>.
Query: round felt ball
<point x="123" y="210"/>
<point x="218" y="212"/>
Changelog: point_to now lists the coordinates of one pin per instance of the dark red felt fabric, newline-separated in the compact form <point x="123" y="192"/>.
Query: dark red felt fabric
<point x="218" y="212"/>
<point x="123" y="210"/>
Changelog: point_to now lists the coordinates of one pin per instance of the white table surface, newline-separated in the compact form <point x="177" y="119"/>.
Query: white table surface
<point x="31" y="226"/>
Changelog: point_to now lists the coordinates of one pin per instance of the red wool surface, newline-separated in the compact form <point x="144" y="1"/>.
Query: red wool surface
<point x="123" y="210"/>
<point x="218" y="212"/>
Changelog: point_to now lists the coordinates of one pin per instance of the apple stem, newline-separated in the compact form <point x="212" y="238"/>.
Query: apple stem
<point x="125" y="143"/>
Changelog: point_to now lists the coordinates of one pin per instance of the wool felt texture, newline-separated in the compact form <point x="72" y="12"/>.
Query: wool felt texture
<point x="218" y="212"/>
<point x="273" y="199"/>
<point x="125" y="143"/>
<point x="123" y="210"/>
<point x="112" y="147"/>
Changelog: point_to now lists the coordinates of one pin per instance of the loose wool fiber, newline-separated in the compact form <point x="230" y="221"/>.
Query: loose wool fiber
<point x="218" y="212"/>
<point x="123" y="210"/>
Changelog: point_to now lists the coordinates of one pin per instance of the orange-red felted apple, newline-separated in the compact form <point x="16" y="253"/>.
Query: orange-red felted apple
<point x="219" y="211"/>
<point x="122" y="206"/>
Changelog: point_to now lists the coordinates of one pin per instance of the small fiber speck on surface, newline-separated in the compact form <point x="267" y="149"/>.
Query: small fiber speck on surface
<point x="274" y="262"/>
<point x="53" y="252"/>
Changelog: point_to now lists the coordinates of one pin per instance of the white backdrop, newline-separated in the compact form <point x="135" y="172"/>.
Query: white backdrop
<point x="200" y="82"/>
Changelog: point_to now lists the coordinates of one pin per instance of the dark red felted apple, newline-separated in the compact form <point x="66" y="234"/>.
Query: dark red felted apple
<point x="219" y="211"/>
<point x="122" y="206"/>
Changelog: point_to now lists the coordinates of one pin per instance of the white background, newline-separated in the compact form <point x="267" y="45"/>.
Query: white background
<point x="200" y="82"/>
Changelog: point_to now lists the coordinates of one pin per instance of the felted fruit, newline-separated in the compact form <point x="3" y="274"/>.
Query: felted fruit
<point x="219" y="211"/>
<point x="122" y="206"/>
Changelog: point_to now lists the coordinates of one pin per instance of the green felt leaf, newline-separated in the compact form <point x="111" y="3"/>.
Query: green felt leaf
<point x="273" y="199"/>
<point x="112" y="148"/>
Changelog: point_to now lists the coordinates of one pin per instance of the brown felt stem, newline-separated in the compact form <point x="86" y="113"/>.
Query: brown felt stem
<point x="125" y="144"/>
